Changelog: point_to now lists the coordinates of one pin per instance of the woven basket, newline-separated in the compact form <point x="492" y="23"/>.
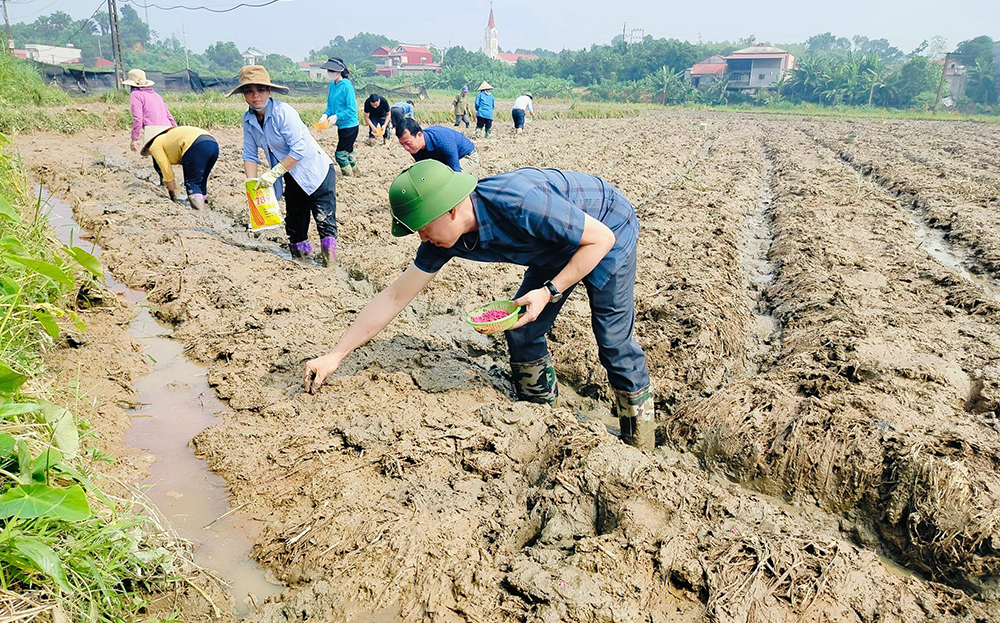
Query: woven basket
<point x="494" y="326"/>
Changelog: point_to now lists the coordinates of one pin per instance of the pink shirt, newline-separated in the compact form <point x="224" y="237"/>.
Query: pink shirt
<point x="148" y="109"/>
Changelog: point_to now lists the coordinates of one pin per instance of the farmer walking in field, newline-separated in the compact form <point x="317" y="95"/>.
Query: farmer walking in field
<point x="564" y="227"/>
<point x="342" y="113"/>
<point x="522" y="106"/>
<point x="484" y="109"/>
<point x="462" y="108"/>
<point x="146" y="105"/>
<point x="439" y="143"/>
<point x="299" y="166"/>
<point x="192" y="148"/>
<point x="377" y="118"/>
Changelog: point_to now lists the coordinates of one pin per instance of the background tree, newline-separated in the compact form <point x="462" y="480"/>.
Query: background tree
<point x="225" y="56"/>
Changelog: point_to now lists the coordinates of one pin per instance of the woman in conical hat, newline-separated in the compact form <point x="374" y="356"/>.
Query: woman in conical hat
<point x="484" y="109"/>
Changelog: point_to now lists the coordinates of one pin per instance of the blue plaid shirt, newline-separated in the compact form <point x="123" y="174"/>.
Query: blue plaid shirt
<point x="534" y="218"/>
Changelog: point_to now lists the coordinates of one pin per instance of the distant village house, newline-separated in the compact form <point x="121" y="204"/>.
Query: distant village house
<point x="253" y="56"/>
<point x="403" y="60"/>
<point x="51" y="54"/>
<point x="314" y="72"/>
<point x="749" y="69"/>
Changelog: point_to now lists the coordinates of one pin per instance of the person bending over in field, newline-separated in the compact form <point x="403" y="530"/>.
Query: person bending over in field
<point x="192" y="148"/>
<point x="565" y="227"/>
<point x="437" y="143"/>
<point x="377" y="118"/>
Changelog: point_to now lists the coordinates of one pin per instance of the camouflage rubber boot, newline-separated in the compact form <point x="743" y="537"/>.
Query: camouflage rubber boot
<point x="535" y="381"/>
<point x="636" y="417"/>
<point x="344" y="162"/>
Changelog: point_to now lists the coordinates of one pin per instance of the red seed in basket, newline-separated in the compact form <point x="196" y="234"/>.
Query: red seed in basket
<point x="490" y="316"/>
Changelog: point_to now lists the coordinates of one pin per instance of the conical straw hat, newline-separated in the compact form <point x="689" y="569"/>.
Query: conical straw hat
<point x="485" y="86"/>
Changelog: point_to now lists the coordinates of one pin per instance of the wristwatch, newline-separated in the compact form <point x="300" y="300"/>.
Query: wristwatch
<point x="554" y="291"/>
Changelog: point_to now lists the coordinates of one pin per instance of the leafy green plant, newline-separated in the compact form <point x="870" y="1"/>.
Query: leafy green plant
<point x="62" y="538"/>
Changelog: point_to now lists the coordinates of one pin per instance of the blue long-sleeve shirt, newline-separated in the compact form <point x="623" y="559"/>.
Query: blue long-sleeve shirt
<point x="484" y="105"/>
<point x="283" y="134"/>
<point x="535" y="218"/>
<point x="406" y="107"/>
<point x="342" y="101"/>
<point x="445" y="145"/>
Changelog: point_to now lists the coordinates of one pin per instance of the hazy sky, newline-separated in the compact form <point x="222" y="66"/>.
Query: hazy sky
<point x="293" y="27"/>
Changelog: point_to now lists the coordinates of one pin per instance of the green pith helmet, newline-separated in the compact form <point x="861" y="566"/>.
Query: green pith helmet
<point x="424" y="192"/>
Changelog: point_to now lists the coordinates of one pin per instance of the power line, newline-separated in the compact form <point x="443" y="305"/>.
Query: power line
<point x="201" y="8"/>
<point x="84" y="24"/>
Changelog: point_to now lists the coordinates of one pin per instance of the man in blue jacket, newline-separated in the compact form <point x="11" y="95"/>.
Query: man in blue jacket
<point x="439" y="143"/>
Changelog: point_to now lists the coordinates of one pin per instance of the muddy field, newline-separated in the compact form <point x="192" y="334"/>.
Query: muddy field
<point x="822" y="320"/>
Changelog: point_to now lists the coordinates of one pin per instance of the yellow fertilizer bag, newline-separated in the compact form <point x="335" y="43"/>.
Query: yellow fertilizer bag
<point x="264" y="213"/>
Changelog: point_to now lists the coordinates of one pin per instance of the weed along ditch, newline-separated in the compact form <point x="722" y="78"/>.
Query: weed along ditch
<point x="175" y="404"/>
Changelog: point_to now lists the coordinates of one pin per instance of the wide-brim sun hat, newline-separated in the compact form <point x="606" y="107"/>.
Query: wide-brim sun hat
<point x="485" y="86"/>
<point x="334" y="64"/>
<point x="528" y="93"/>
<point x="256" y="74"/>
<point x="149" y="133"/>
<point x="137" y="78"/>
<point x="424" y="192"/>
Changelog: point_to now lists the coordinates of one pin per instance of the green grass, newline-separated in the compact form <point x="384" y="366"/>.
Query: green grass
<point x="20" y="85"/>
<point x="65" y="542"/>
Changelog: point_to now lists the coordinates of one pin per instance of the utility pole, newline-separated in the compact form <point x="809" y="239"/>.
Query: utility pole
<point x="116" y="44"/>
<point x="623" y="33"/>
<point x="8" y="44"/>
<point x="187" y="65"/>
<point x="944" y="71"/>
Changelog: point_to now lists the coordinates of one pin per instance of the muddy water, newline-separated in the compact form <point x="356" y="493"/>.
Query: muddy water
<point x="933" y="241"/>
<point x="753" y="253"/>
<point x="176" y="404"/>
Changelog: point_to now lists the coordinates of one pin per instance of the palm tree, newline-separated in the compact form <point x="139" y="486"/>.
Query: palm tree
<point x="877" y="74"/>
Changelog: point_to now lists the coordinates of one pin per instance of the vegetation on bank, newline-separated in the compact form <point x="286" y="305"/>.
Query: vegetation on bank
<point x="68" y="547"/>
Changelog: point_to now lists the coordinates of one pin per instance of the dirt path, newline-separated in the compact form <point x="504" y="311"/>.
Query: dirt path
<point x="413" y="487"/>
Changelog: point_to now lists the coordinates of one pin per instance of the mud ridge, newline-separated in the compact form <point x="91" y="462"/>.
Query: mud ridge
<point x="959" y="256"/>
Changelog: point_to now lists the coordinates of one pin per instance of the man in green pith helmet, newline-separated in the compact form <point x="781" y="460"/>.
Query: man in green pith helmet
<point x="565" y="227"/>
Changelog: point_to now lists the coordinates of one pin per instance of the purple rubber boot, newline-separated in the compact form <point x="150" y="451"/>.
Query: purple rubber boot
<point x="329" y="249"/>
<point x="300" y="249"/>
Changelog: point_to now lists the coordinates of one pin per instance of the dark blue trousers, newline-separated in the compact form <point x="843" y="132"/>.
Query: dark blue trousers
<point x="612" y="316"/>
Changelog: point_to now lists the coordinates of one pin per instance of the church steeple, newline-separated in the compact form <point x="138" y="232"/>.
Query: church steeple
<point x="491" y="44"/>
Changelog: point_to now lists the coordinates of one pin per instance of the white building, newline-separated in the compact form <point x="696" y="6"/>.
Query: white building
<point x="253" y="56"/>
<point x="52" y="54"/>
<point x="491" y="45"/>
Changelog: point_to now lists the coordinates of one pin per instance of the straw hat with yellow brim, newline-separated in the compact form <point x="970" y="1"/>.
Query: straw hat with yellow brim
<point x="485" y="86"/>
<point x="137" y="78"/>
<point x="424" y="192"/>
<point x="256" y="74"/>
<point x="149" y="133"/>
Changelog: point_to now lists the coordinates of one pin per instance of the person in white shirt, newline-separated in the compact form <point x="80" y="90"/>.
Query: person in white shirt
<point x="522" y="107"/>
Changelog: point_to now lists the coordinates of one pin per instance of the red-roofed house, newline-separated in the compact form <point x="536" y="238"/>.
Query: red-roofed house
<point x="404" y="59"/>
<point x="314" y="72"/>
<point x="21" y="54"/>
<point x="511" y="58"/>
<point x="707" y="71"/>
<point x="102" y="62"/>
